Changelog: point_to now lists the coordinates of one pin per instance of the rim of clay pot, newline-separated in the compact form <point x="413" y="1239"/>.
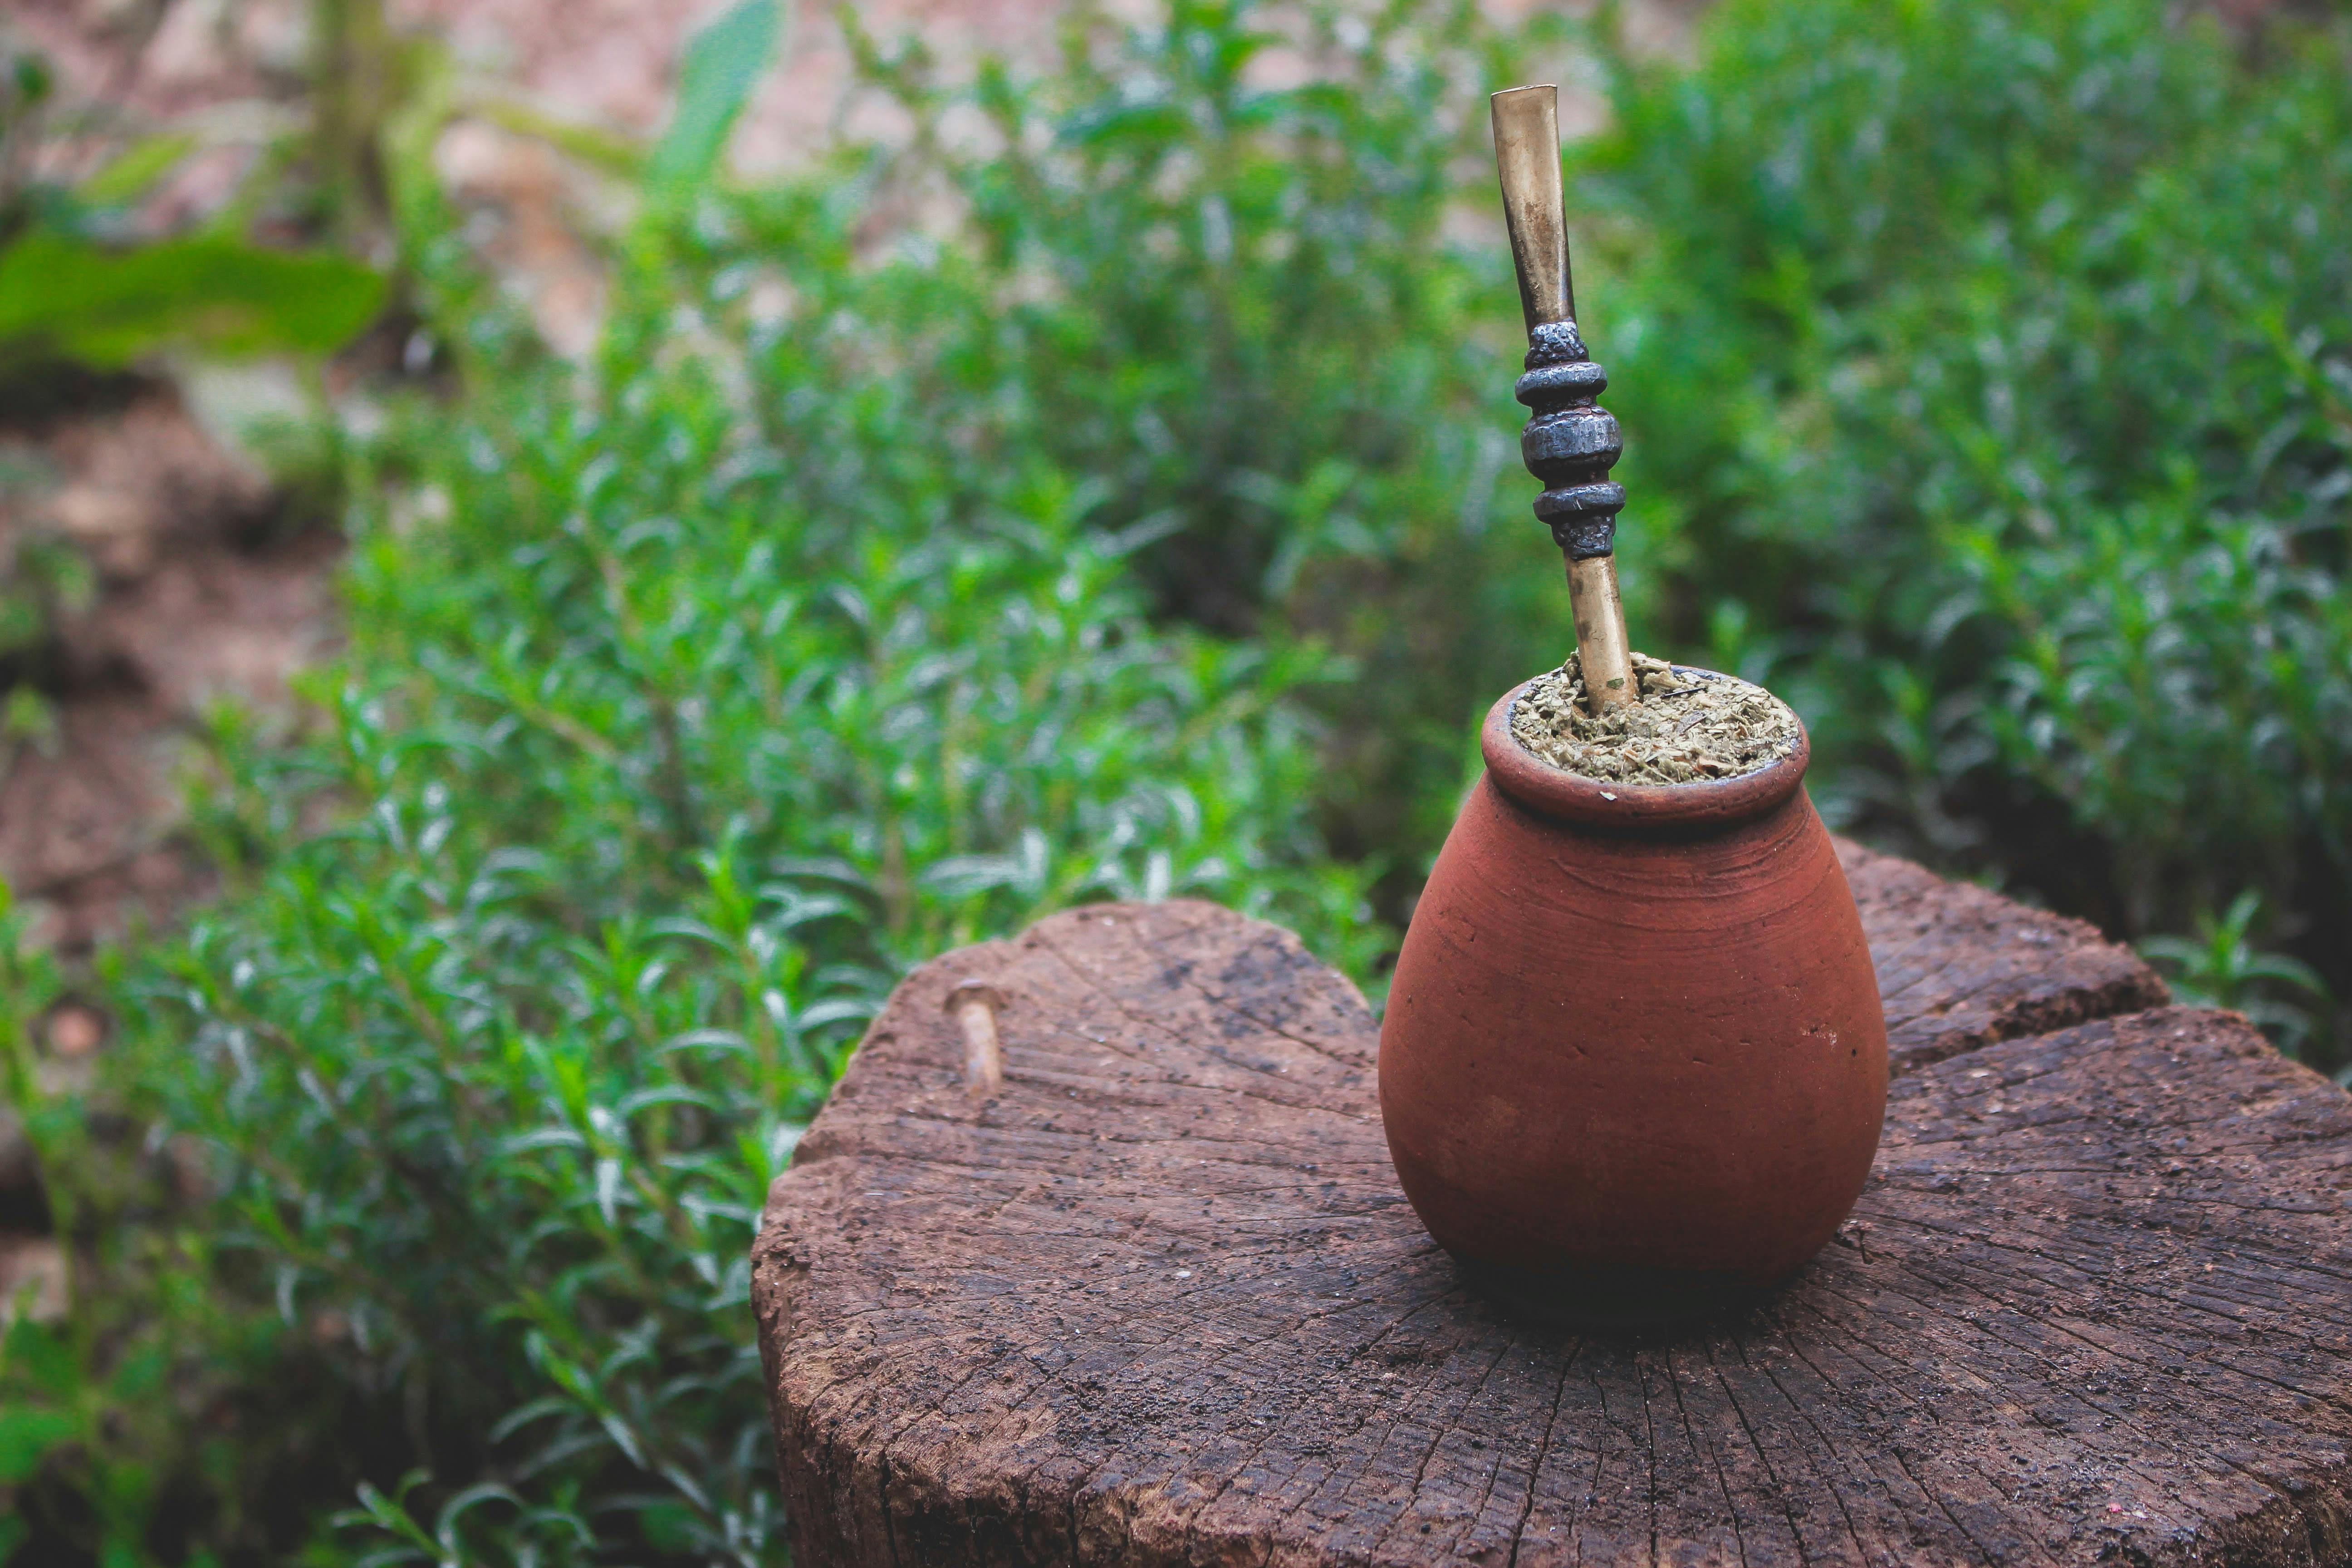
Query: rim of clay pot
<point x="1704" y="804"/>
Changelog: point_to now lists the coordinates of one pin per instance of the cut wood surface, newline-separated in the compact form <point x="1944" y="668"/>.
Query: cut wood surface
<point x="1959" y="966"/>
<point x="1157" y="1298"/>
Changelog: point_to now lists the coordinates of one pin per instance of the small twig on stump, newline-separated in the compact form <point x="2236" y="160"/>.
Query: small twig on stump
<point x="1569" y="444"/>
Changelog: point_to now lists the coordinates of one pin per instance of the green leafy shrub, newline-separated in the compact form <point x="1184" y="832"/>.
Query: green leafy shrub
<point x="1988" y="366"/>
<point x="688" y="701"/>
<point x="144" y="1410"/>
<point x="1234" y="263"/>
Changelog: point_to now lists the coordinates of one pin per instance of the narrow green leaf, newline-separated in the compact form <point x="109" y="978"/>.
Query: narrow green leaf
<point x="106" y="307"/>
<point x="723" y="63"/>
<point x="139" y="166"/>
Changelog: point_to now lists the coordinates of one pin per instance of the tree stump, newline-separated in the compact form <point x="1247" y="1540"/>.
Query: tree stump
<point x="1154" y="1296"/>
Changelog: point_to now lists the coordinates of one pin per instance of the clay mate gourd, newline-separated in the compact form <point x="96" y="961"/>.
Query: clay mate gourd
<point x="1633" y="1064"/>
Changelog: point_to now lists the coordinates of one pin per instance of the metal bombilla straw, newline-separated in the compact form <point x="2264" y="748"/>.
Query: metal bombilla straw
<point x="1569" y="444"/>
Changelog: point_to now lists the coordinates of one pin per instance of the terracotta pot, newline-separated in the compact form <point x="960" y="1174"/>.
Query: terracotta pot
<point x="1634" y="1060"/>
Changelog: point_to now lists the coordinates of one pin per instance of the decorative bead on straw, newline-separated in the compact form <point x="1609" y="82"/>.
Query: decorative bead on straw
<point x="1569" y="444"/>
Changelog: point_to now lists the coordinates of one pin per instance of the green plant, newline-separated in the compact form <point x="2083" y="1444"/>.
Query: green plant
<point x="664" y="745"/>
<point x="121" y="1420"/>
<point x="2221" y="967"/>
<point x="76" y="290"/>
<point x="1227" y="262"/>
<point x="1994" y="357"/>
<point x="33" y="1383"/>
<point x="80" y="297"/>
<point x="658" y="783"/>
<point x="1110" y="494"/>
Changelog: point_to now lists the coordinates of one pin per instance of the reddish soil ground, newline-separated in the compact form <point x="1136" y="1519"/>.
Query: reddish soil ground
<point x="201" y="595"/>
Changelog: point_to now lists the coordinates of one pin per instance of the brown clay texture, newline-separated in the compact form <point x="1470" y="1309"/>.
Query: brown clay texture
<point x="1616" y="1051"/>
<point x="1160" y="1301"/>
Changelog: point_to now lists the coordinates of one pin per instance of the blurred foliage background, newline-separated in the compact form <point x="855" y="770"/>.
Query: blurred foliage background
<point x="1107" y="488"/>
